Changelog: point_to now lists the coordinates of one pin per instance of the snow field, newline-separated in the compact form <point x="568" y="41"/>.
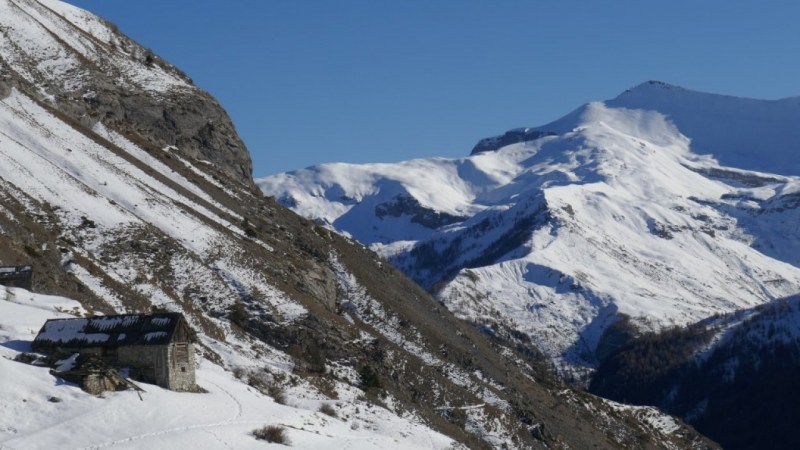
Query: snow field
<point x="40" y="412"/>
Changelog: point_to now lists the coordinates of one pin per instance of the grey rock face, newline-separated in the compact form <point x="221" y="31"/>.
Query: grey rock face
<point x="192" y="121"/>
<point x="426" y="217"/>
<point x="510" y="137"/>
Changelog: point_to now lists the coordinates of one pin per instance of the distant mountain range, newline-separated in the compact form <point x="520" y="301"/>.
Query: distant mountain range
<point x="660" y="207"/>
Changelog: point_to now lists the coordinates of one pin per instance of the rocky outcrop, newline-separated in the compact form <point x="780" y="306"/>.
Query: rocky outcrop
<point x="190" y="120"/>
<point x="510" y="137"/>
<point x="89" y="71"/>
<point x="407" y="205"/>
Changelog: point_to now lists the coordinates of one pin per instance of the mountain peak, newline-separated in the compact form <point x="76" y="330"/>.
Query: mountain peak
<point x="740" y="132"/>
<point x="646" y="92"/>
<point x="654" y="85"/>
<point x="661" y="88"/>
<point x="655" y="91"/>
<point x="635" y="169"/>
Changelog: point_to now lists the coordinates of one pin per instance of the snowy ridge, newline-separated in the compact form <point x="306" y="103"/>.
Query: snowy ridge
<point x="84" y="67"/>
<point x="635" y="218"/>
<point x="740" y="132"/>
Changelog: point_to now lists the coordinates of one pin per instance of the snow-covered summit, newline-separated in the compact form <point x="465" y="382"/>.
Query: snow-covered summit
<point x="740" y="132"/>
<point x="654" y="205"/>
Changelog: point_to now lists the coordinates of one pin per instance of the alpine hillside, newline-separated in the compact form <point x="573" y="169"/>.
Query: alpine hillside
<point x="128" y="190"/>
<point x="660" y="207"/>
<point x="732" y="376"/>
<point x="94" y="74"/>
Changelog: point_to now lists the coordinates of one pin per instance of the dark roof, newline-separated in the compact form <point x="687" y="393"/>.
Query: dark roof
<point x="109" y="331"/>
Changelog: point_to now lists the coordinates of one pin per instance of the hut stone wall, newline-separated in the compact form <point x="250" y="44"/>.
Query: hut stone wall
<point x="158" y="348"/>
<point x="169" y="366"/>
<point x="180" y="356"/>
<point x="147" y="359"/>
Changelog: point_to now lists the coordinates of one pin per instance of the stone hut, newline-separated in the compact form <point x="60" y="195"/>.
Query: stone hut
<point x="16" y="276"/>
<point x="158" y="348"/>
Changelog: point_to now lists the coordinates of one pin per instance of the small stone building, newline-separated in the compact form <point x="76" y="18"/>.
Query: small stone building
<point x="16" y="276"/>
<point x="158" y="348"/>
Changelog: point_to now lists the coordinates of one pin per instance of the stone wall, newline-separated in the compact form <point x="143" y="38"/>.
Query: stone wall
<point x="181" y="377"/>
<point x="169" y="366"/>
<point x="148" y="359"/>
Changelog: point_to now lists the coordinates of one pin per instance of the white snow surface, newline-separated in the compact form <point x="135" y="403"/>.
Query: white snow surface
<point x="39" y="411"/>
<point x="748" y="133"/>
<point x="654" y="205"/>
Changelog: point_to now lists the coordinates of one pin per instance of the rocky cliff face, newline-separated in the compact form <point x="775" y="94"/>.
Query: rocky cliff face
<point x="88" y="70"/>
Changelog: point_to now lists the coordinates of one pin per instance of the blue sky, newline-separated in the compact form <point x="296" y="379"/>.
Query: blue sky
<point x="379" y="81"/>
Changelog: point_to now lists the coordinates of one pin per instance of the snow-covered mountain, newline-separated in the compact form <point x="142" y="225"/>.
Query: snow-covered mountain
<point x="127" y="189"/>
<point x="663" y="205"/>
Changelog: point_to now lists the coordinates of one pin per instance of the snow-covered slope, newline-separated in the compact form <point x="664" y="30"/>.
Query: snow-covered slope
<point x="747" y="133"/>
<point x="128" y="232"/>
<point x="102" y="197"/>
<point x="48" y="41"/>
<point x="612" y="210"/>
<point x="40" y="411"/>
